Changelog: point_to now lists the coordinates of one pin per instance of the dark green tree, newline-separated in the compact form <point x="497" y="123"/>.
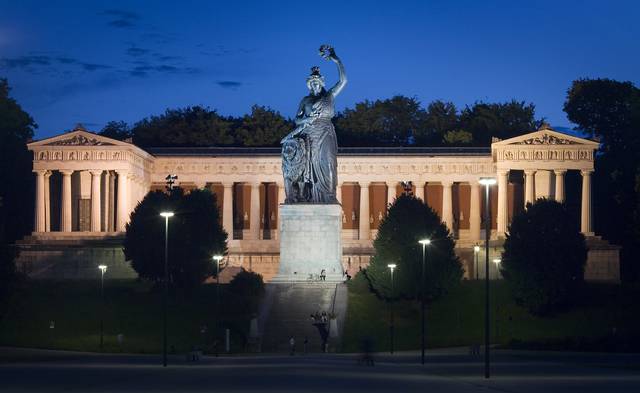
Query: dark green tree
<point x="248" y="286"/>
<point x="440" y="118"/>
<point x="610" y="111"/>
<point x="500" y="120"/>
<point x="116" y="130"/>
<point x="195" y="235"/>
<point x="544" y="257"/>
<point x="9" y="277"/>
<point x="391" y="122"/>
<point x="17" y="190"/>
<point x="408" y="221"/>
<point x="191" y="126"/>
<point x="263" y="127"/>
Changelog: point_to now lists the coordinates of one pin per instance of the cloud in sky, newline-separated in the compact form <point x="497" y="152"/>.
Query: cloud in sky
<point x="232" y="85"/>
<point x="37" y="63"/>
<point x="121" y="18"/>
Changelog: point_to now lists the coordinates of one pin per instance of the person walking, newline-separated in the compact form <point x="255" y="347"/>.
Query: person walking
<point x="292" y="346"/>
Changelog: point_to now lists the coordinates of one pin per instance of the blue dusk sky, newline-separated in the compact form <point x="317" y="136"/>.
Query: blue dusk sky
<point x="91" y="62"/>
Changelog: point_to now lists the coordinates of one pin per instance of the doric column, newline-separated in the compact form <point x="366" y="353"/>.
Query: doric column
<point x="447" y="204"/>
<point x="112" y="203"/>
<point x="227" y="209"/>
<point x="391" y="192"/>
<point x="123" y="200"/>
<point x="474" y="211"/>
<point x="105" y="203"/>
<point x="503" y="207"/>
<point x="65" y="206"/>
<point x="529" y="186"/>
<point x="254" y="213"/>
<point x="363" y="219"/>
<point x="559" y="194"/>
<point x="281" y="198"/>
<point x="47" y="202"/>
<point x="419" y="190"/>
<point x="39" y="224"/>
<point x="96" y="176"/>
<point x="585" y="222"/>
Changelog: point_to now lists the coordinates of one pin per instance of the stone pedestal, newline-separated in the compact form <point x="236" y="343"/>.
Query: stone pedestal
<point x="310" y="242"/>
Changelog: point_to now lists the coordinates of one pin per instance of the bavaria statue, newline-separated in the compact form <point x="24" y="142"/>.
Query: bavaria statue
<point x="309" y="152"/>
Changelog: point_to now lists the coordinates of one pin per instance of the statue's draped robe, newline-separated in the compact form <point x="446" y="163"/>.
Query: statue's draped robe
<point x="323" y="145"/>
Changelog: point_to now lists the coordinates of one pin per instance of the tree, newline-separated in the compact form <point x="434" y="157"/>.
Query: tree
<point x="263" y="127"/>
<point x="195" y="235"/>
<point x="408" y="221"/>
<point x="393" y="121"/>
<point x="116" y="130"/>
<point x="248" y="286"/>
<point x="8" y="276"/>
<point x="610" y="111"/>
<point x="500" y="120"/>
<point x="191" y="126"/>
<point x="544" y="257"/>
<point x="17" y="190"/>
<point x="457" y="137"/>
<point x="440" y="118"/>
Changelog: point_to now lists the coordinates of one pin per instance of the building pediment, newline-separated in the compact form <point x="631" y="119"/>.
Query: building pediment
<point x="546" y="136"/>
<point x="79" y="137"/>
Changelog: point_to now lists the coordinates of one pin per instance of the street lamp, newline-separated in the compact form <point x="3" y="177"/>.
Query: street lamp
<point x="103" y="268"/>
<point x="486" y="182"/>
<point x="165" y="289"/>
<point x="476" y="252"/>
<point x="497" y="262"/>
<point x="217" y="258"/>
<point x="391" y="267"/>
<point x="425" y="243"/>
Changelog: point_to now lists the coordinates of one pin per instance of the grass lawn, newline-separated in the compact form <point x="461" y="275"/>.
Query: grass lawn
<point x="458" y="318"/>
<point x="133" y="309"/>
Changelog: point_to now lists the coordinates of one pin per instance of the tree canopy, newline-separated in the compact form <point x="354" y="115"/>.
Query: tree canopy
<point x="195" y="235"/>
<point x="610" y="111"/>
<point x="408" y="221"/>
<point x="263" y="127"/>
<point x="544" y="257"/>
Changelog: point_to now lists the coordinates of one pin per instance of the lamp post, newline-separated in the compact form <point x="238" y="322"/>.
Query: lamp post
<point x="391" y="267"/>
<point x="103" y="268"/>
<point x="165" y="287"/>
<point x="425" y="243"/>
<point x="497" y="263"/>
<point x="486" y="182"/>
<point x="217" y="258"/>
<point x="476" y="251"/>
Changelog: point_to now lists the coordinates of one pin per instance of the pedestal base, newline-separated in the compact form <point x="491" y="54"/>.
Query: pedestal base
<point x="310" y="243"/>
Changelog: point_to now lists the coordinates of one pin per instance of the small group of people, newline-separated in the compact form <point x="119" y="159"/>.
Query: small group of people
<point x="292" y="345"/>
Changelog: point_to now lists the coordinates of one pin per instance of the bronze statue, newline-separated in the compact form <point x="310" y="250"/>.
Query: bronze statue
<point x="309" y="152"/>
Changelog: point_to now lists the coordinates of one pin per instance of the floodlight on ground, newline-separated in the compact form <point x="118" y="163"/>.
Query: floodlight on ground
<point x="488" y="181"/>
<point x="167" y="214"/>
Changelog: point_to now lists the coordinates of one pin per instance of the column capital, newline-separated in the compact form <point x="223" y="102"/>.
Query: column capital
<point x="122" y="172"/>
<point x="446" y="183"/>
<point x="586" y="172"/>
<point x="227" y="184"/>
<point x="96" y="172"/>
<point x="530" y="172"/>
<point x="364" y="184"/>
<point x="559" y="172"/>
<point x="40" y="172"/>
<point x="66" y="172"/>
<point x="503" y="172"/>
<point x="255" y="184"/>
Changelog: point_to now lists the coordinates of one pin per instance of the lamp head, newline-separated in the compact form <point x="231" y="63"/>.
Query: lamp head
<point x="425" y="242"/>
<point x="391" y="266"/>
<point x="497" y="261"/>
<point x="487" y="181"/>
<point x="218" y="258"/>
<point x="476" y="248"/>
<point x="167" y="214"/>
<point x="103" y="268"/>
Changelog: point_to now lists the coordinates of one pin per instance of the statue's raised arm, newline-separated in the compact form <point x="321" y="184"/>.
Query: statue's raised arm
<point x="327" y="52"/>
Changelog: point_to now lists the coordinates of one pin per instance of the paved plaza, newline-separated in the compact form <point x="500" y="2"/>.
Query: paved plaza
<point x="446" y="371"/>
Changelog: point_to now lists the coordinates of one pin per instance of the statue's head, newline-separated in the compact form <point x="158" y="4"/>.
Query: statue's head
<point x="315" y="81"/>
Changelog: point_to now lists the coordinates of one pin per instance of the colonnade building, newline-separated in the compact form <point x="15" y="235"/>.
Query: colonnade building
<point x="87" y="185"/>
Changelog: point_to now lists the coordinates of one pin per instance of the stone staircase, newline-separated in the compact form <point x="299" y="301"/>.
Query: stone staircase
<point x="286" y="309"/>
